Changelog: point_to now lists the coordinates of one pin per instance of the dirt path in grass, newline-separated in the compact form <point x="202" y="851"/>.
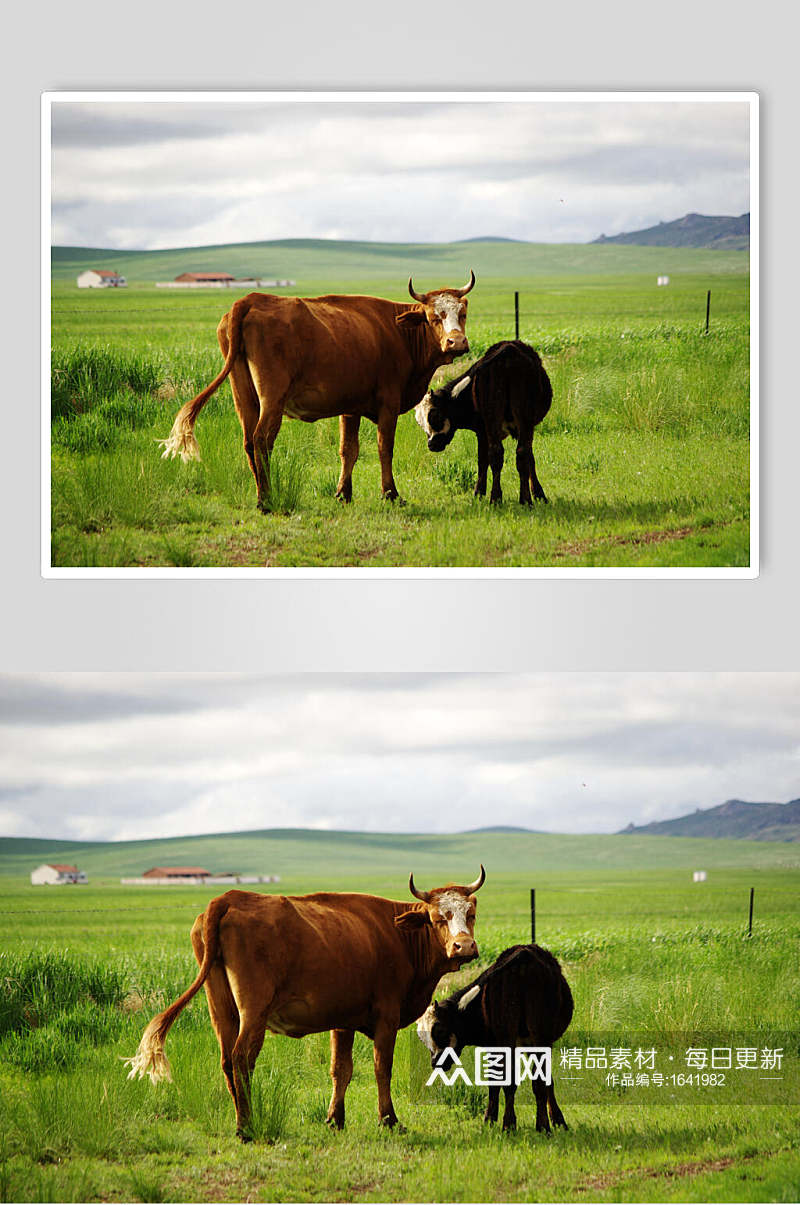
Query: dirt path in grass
<point x="615" y="1179"/>
<point x="579" y="547"/>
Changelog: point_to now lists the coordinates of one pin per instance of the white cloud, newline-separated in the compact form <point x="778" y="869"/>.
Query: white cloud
<point x="123" y="756"/>
<point x="166" y="174"/>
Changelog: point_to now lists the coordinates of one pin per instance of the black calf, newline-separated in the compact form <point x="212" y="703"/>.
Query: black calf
<point x="506" y="392"/>
<point x="523" y="999"/>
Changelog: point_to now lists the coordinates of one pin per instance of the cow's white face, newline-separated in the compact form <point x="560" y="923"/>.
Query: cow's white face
<point x="450" y="911"/>
<point x="434" y="422"/>
<point x="447" y="318"/>
<point x="433" y="1033"/>
<point x="457" y="912"/>
<point x="452" y="914"/>
<point x="444" y="311"/>
<point x="435" y="1028"/>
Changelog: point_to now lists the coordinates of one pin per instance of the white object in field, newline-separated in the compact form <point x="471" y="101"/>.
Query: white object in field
<point x="699" y="876"/>
<point x="101" y="278"/>
<point x="56" y="874"/>
<point x="662" y="280"/>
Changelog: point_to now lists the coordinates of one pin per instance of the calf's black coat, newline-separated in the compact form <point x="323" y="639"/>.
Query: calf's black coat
<point x="524" y="1000"/>
<point x="509" y="394"/>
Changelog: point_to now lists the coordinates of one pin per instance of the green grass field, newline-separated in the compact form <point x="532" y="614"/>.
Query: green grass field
<point x="644" y="949"/>
<point x="644" y="455"/>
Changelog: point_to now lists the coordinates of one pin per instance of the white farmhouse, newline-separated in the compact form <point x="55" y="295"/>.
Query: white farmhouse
<point x="56" y="874"/>
<point x="101" y="278"/>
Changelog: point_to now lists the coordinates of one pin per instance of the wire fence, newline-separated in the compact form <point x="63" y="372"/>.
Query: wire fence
<point x="86" y="911"/>
<point x="171" y="310"/>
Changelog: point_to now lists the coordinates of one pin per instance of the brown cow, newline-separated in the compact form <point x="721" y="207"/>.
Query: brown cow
<point x="302" y="964"/>
<point x="317" y="357"/>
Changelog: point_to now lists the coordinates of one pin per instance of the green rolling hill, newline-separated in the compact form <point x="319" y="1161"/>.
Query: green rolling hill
<point x="310" y="261"/>
<point x="312" y="855"/>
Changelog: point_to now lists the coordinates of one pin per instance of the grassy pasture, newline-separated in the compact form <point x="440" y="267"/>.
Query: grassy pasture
<point x="643" y="947"/>
<point x="644" y="455"/>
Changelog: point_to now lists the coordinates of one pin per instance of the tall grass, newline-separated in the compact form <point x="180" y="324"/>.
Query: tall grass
<point x="85" y="1132"/>
<point x="85" y="376"/>
<point x="271" y="1098"/>
<point x="285" y="474"/>
<point x="662" y="393"/>
<point x="37" y="988"/>
<point x="134" y="489"/>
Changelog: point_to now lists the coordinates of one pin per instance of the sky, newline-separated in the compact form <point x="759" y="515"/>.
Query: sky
<point x="107" y="757"/>
<point x="156" y="174"/>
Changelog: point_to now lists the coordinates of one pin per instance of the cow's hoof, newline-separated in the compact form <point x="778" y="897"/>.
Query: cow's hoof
<point x="390" y="1122"/>
<point x="344" y="495"/>
<point x="395" y="499"/>
<point x="244" y="1135"/>
<point x="336" y="1123"/>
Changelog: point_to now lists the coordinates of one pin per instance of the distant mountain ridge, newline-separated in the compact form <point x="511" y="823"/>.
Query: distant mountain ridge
<point x="501" y="828"/>
<point x="736" y="818"/>
<point x="693" y="230"/>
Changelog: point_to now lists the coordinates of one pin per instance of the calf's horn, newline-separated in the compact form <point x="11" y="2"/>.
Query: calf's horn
<point x="468" y="997"/>
<point x="416" y="296"/>
<point x="463" y="292"/>
<point x="473" y="887"/>
<point x="425" y="896"/>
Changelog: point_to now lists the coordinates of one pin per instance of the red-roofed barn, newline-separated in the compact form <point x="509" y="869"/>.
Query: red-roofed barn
<point x="204" y="277"/>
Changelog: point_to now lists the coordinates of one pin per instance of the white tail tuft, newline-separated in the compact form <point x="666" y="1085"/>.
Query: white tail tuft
<point x="156" y="1066"/>
<point x="149" y="1060"/>
<point x="180" y="441"/>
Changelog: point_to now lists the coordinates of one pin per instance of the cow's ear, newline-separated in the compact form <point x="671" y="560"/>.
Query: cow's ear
<point x="412" y="920"/>
<point x="411" y="318"/>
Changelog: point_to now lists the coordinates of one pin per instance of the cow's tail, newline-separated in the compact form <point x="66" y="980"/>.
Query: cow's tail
<point x="150" y="1058"/>
<point x="181" y="439"/>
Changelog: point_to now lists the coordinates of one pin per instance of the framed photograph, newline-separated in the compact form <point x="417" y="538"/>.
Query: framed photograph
<point x="400" y="334"/>
<point x="537" y="941"/>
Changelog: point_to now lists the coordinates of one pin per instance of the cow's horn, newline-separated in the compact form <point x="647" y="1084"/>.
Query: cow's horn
<point x="416" y="296"/>
<point x="463" y="292"/>
<point x="425" y="896"/>
<point x="473" y="887"/>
